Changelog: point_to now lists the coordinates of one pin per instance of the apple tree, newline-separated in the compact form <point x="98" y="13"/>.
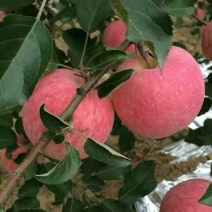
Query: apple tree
<point x="74" y="72"/>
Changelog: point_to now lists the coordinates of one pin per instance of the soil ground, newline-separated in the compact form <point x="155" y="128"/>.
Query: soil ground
<point x="144" y="149"/>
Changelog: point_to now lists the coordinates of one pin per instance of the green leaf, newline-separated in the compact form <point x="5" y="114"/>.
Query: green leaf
<point x="91" y="53"/>
<point x="111" y="205"/>
<point x="72" y="1"/>
<point x="180" y="8"/>
<point x="113" y="82"/>
<point x="179" y="44"/>
<point x="29" y="10"/>
<point x="60" y="191"/>
<point x="6" y="120"/>
<point x="75" y="39"/>
<point x="64" y="170"/>
<point x="89" y="166"/>
<point x="206" y="199"/>
<point x="52" y="122"/>
<point x="208" y="86"/>
<point x="149" y="21"/>
<point x="14" y="4"/>
<point x="20" y="158"/>
<point x="109" y="172"/>
<point x="140" y="182"/>
<point x="53" y="63"/>
<point x="94" y="184"/>
<point x="105" y="154"/>
<point x="58" y="139"/>
<point x="45" y="167"/>
<point x="25" y="51"/>
<point x="93" y="209"/>
<point x="19" y="126"/>
<point x="29" y="189"/>
<point x="92" y="16"/>
<point x="126" y="138"/>
<point x="10" y="150"/>
<point x="73" y="205"/>
<point x="31" y="170"/>
<point x="206" y="106"/>
<point x="1" y="208"/>
<point x="202" y="135"/>
<point x="120" y="10"/>
<point x="25" y="203"/>
<point x="8" y="137"/>
<point x="179" y="22"/>
<point x="107" y="58"/>
<point x="67" y="12"/>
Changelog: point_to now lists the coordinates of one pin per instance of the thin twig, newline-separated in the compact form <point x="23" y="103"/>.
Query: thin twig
<point x="18" y="173"/>
<point x="199" y="20"/>
<point x="41" y="9"/>
<point x="46" y="138"/>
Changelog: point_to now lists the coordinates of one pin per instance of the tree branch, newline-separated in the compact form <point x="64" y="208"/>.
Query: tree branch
<point x="46" y="138"/>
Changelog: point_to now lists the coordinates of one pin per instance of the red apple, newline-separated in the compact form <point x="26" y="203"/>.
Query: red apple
<point x="184" y="197"/>
<point x="9" y="164"/>
<point x="207" y="41"/>
<point x="93" y="117"/>
<point x="201" y="13"/>
<point x="154" y="104"/>
<point x="115" y="34"/>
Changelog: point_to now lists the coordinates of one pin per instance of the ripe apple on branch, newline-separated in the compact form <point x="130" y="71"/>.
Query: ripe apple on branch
<point x="156" y="103"/>
<point x="93" y="118"/>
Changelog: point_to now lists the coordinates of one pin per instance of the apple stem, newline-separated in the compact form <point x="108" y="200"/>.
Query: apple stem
<point x="46" y="137"/>
<point x="145" y="52"/>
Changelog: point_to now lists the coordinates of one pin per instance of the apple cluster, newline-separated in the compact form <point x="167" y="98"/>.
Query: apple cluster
<point x="153" y="103"/>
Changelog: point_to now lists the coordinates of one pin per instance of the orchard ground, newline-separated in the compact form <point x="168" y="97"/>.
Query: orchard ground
<point x="144" y="148"/>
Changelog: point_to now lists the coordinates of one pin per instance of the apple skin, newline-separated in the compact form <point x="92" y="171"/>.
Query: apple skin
<point x="156" y="105"/>
<point x="201" y="13"/>
<point x="2" y="15"/>
<point x="9" y="164"/>
<point x="185" y="196"/>
<point x="93" y="118"/>
<point x="207" y="41"/>
<point x="115" y="34"/>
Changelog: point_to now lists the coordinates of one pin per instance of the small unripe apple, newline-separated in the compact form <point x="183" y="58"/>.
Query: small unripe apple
<point x="93" y="118"/>
<point x="156" y="104"/>
<point x="115" y="34"/>
<point x="184" y="197"/>
<point x="207" y="41"/>
<point x="9" y="164"/>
